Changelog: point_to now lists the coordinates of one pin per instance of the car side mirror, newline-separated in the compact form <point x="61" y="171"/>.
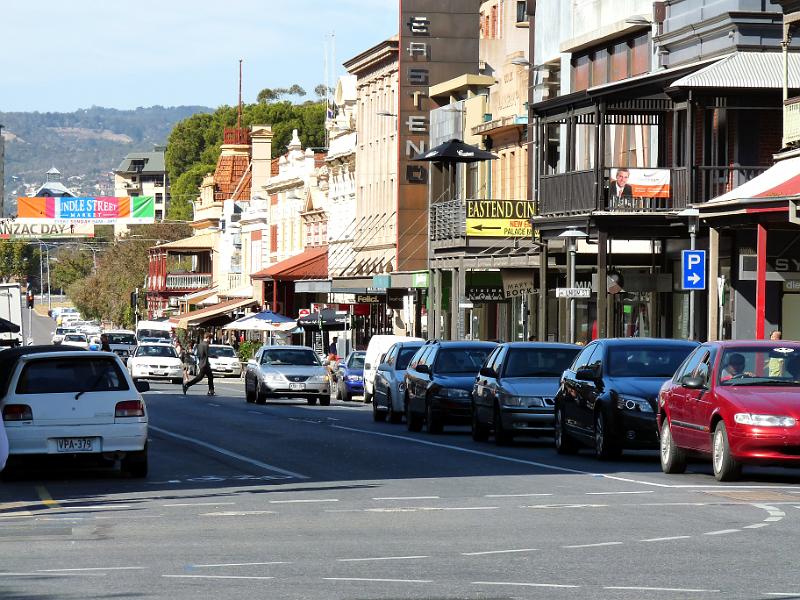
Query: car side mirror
<point x="142" y="386"/>
<point x="693" y="383"/>
<point x="253" y="362"/>
<point x="587" y="374"/>
<point x="487" y="372"/>
<point x="424" y="369"/>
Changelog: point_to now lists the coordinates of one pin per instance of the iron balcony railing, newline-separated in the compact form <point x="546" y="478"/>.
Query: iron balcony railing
<point x="448" y="220"/>
<point x="188" y="281"/>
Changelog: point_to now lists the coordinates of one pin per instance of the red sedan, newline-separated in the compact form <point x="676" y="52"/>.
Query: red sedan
<point x="737" y="402"/>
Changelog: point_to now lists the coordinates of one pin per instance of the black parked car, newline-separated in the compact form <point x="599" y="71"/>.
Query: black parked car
<point x="439" y="383"/>
<point x="607" y="399"/>
<point x="515" y="390"/>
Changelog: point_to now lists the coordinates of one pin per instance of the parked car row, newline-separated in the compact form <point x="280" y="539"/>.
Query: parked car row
<point x="733" y="402"/>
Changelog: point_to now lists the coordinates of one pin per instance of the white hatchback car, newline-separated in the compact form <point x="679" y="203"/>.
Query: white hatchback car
<point x="224" y="360"/>
<point x="79" y="340"/>
<point x="74" y="403"/>
<point x="156" y="361"/>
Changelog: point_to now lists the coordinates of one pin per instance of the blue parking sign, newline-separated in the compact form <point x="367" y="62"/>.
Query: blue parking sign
<point x="693" y="273"/>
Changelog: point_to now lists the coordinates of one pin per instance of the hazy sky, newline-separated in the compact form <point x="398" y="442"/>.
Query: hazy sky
<point x="61" y="56"/>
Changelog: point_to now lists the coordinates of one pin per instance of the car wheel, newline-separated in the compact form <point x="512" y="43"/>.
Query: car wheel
<point x="413" y="420"/>
<point x="502" y="436"/>
<point x="339" y="391"/>
<point x="249" y="396"/>
<point x="325" y="400"/>
<point x="135" y="463"/>
<point x="367" y="396"/>
<point x="344" y="393"/>
<point x="377" y="415"/>
<point x="673" y="458"/>
<point x="311" y="401"/>
<point x="480" y="431"/>
<point x="725" y="467"/>
<point x="433" y="423"/>
<point x="604" y="447"/>
<point x="563" y="441"/>
<point x="394" y="416"/>
<point x="261" y="395"/>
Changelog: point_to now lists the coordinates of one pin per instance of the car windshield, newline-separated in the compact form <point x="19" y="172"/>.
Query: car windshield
<point x="404" y="357"/>
<point x="163" y="351"/>
<point x="153" y="333"/>
<point x="74" y="337"/>
<point x="461" y="360"/>
<point x="649" y="360"/>
<point x="538" y="362"/>
<point x="121" y="338"/>
<point x="775" y="366"/>
<point x="71" y="374"/>
<point x="223" y="352"/>
<point x="356" y="361"/>
<point x="293" y="357"/>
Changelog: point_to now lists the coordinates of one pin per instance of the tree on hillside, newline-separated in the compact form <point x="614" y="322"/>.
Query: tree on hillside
<point x="184" y="191"/>
<point x="70" y="264"/>
<point x="268" y="95"/>
<point x="186" y="144"/>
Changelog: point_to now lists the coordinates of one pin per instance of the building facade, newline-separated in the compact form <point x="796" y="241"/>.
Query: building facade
<point x="144" y="174"/>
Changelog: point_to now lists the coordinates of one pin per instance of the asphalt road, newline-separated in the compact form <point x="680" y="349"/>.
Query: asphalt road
<point x="287" y="500"/>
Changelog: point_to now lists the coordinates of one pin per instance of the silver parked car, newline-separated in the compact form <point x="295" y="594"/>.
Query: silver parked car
<point x="287" y="372"/>
<point x="388" y="399"/>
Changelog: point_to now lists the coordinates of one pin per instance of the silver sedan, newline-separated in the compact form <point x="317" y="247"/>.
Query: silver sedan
<point x="287" y="372"/>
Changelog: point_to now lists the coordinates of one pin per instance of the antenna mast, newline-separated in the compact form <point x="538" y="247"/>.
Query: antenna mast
<point x="239" y="114"/>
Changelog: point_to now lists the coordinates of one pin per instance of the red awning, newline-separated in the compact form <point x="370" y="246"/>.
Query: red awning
<point x="310" y="264"/>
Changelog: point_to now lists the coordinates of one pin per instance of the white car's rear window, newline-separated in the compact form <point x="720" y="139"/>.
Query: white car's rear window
<point x="71" y="374"/>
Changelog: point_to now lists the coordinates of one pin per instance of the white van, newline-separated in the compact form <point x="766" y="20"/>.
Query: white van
<point x="377" y="347"/>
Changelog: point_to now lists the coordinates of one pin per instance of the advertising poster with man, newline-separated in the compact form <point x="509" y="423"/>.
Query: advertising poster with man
<point x="639" y="189"/>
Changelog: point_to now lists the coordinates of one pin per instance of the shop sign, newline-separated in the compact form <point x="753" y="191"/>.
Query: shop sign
<point x="43" y="228"/>
<point x="500" y="218"/>
<point x="485" y="293"/>
<point x="517" y="282"/>
<point x="303" y="312"/>
<point x="778" y="268"/>
<point x="369" y="299"/>
<point x="575" y="292"/>
<point x="420" y="280"/>
<point x="791" y="285"/>
<point x="394" y="298"/>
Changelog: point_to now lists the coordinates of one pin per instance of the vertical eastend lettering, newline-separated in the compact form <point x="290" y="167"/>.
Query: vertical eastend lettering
<point x="416" y="174"/>
<point x="417" y="97"/>
<point x="419" y="25"/>
<point x="413" y="149"/>
<point x="416" y="49"/>
<point x="417" y="76"/>
<point x="417" y="124"/>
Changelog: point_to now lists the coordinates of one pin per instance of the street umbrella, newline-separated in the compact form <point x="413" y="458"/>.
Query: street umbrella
<point x="8" y="327"/>
<point x="265" y="320"/>
<point x="455" y="151"/>
<point x="452" y="152"/>
<point x="328" y="319"/>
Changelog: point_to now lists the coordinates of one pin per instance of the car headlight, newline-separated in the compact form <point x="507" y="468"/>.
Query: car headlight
<point x="354" y="378"/>
<point x="764" y="420"/>
<point x="526" y="401"/>
<point x="634" y="403"/>
<point x="453" y="393"/>
<point x="319" y="379"/>
<point x="274" y="378"/>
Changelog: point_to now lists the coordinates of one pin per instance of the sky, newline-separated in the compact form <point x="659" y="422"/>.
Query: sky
<point x="60" y="56"/>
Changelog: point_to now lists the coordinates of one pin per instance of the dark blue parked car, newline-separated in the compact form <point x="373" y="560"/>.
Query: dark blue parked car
<point x="350" y="377"/>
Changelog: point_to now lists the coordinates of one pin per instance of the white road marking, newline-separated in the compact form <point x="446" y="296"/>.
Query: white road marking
<point x="514" y="495"/>
<point x="544" y="585"/>
<point x="409" y="498"/>
<point x="466" y="450"/>
<point x="216" y="577"/>
<point x="618" y="493"/>
<point x="697" y="486"/>
<point x="659" y="589"/>
<point x="499" y="552"/>
<point x="239" y="513"/>
<point x="201" y="504"/>
<point x="597" y="545"/>
<point x="378" y="580"/>
<point x="380" y="558"/>
<point x="566" y="506"/>
<point x="248" y="564"/>
<point x="783" y="594"/>
<point x="214" y="405"/>
<point x="60" y="574"/>
<point x="95" y="507"/>
<point x="666" y="539"/>
<point x="756" y="526"/>
<point x="301" y="501"/>
<point x="256" y="463"/>
<point x="722" y="532"/>
<point x="91" y="569"/>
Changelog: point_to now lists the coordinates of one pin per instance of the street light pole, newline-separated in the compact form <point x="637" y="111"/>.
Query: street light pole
<point x="572" y="235"/>
<point x="693" y="217"/>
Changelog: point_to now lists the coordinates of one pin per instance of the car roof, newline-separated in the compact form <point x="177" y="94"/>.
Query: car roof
<point x="635" y="341"/>
<point x="542" y="345"/>
<point x="220" y="346"/>
<point x="265" y="346"/>
<point x="76" y="353"/>
<point x="120" y="331"/>
<point x="416" y="343"/>
<point x="757" y="343"/>
<point x="466" y="344"/>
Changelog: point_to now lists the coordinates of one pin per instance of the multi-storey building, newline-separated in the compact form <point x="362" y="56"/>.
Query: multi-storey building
<point x="144" y="174"/>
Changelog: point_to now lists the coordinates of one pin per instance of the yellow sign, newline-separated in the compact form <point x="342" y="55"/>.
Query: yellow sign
<point x="499" y="218"/>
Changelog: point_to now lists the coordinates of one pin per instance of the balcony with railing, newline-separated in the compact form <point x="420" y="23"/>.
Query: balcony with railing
<point x="185" y="282"/>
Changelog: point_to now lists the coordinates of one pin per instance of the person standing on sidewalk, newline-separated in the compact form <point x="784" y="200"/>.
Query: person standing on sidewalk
<point x="203" y="367"/>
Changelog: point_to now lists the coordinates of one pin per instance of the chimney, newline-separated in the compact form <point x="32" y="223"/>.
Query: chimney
<point x="261" y="138"/>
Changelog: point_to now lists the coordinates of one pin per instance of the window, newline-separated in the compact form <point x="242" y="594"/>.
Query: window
<point x="582" y="359"/>
<point x="273" y="238"/>
<point x="161" y="351"/>
<point x="356" y="361"/>
<point x="304" y="358"/>
<point x="221" y="352"/>
<point x="522" y="13"/>
<point x="404" y="357"/>
<point x="70" y="375"/>
<point x="625" y="58"/>
<point x="689" y="365"/>
<point x="580" y="73"/>
<point x="537" y="362"/>
<point x="645" y="360"/>
<point x="461" y="360"/>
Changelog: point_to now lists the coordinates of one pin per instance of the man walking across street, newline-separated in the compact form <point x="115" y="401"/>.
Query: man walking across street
<point x="203" y="367"/>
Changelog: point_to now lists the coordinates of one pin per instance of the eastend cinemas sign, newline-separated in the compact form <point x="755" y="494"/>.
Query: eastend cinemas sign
<point x="438" y="42"/>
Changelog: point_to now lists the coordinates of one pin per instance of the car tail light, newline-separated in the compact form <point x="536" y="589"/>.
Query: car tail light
<point x="17" y="412"/>
<point x="129" y="408"/>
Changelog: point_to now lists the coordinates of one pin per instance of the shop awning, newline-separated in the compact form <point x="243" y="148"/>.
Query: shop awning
<point x="240" y="292"/>
<point x="310" y="264"/>
<point x="743" y="70"/>
<point x="779" y="181"/>
<point x="196" y="243"/>
<point x="196" y="297"/>
<point x="198" y="317"/>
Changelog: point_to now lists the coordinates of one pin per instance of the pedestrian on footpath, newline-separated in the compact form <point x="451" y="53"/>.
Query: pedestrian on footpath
<point x="203" y="367"/>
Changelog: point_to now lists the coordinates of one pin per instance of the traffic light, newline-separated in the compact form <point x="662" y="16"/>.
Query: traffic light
<point x="29" y="299"/>
<point x="134" y="300"/>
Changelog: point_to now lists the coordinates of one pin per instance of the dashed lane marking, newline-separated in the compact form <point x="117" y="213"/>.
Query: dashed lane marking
<point x="514" y="495"/>
<point x="304" y="501"/>
<point x="380" y="558"/>
<point x="488" y="552"/>
<point x="245" y="459"/>
<point x="91" y="569"/>
<point x="619" y="493"/>
<point x="216" y="577"/>
<point x="200" y="504"/>
<point x="247" y="564"/>
<point x="238" y="513"/>
<point x="376" y="580"/>
<point x="520" y="584"/>
<point x="667" y="539"/>
<point x="597" y="545"/>
<point x="722" y="532"/>
<point x="409" y="498"/>
<point x="661" y="589"/>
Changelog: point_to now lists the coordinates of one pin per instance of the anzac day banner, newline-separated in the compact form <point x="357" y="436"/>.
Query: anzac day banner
<point x="43" y="229"/>
<point x="100" y="210"/>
